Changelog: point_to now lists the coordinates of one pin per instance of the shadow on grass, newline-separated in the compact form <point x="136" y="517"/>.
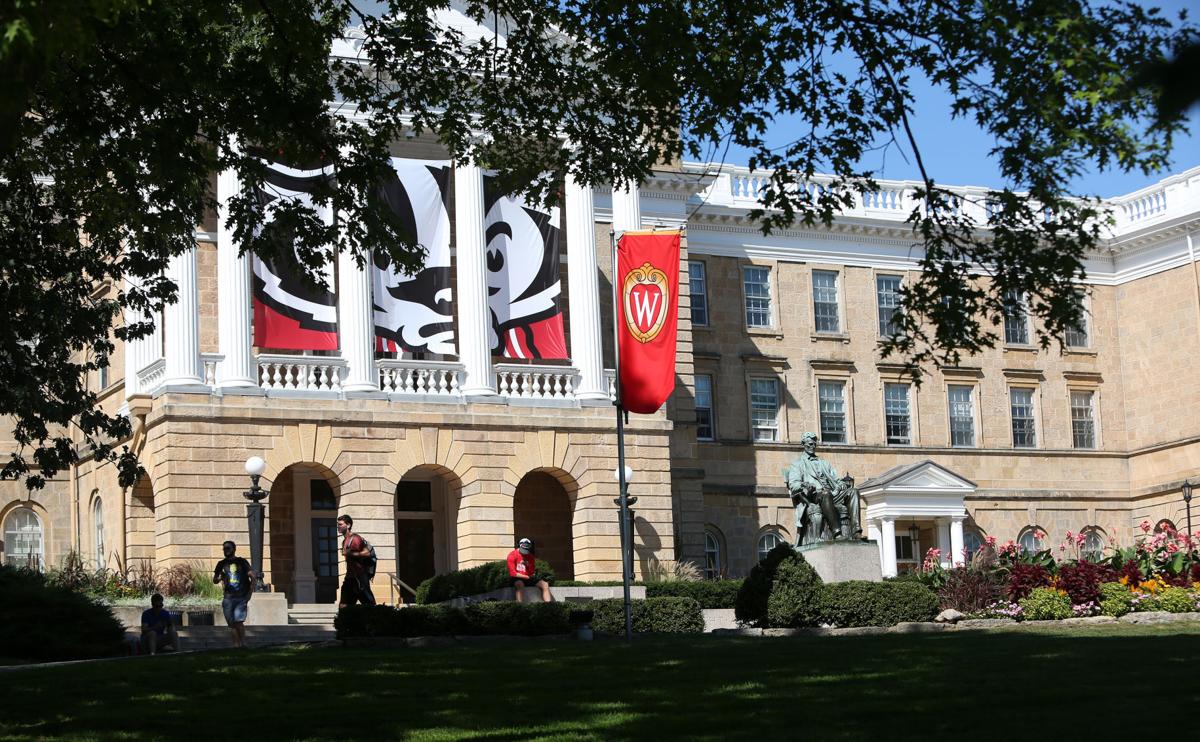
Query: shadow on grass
<point x="1103" y="682"/>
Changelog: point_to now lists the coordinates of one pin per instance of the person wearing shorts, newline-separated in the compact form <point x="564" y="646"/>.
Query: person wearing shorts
<point x="522" y="572"/>
<point x="238" y="579"/>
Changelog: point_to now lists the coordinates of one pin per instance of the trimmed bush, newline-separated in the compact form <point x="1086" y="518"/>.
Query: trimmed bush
<point x="1176" y="600"/>
<point x="49" y="622"/>
<point x="479" y="619"/>
<point x="474" y="581"/>
<point x="797" y="595"/>
<point x="667" y="615"/>
<point x="708" y="593"/>
<point x="1115" y="599"/>
<point x="751" y="603"/>
<point x="859" y="603"/>
<point x="1046" y="604"/>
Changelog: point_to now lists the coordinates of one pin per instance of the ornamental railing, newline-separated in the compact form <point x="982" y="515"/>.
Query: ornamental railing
<point x="440" y="378"/>
<point x="151" y="377"/>
<point x="519" y="381"/>
<point x="300" y="373"/>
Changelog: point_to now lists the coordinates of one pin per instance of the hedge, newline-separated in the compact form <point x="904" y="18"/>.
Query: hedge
<point x="668" y="615"/>
<point x="474" y="581"/>
<point x="477" y="619"/>
<point x="859" y="603"/>
<point x="751" y="602"/>
<point x="709" y="593"/>
<point x="44" y="622"/>
<point x="796" y="595"/>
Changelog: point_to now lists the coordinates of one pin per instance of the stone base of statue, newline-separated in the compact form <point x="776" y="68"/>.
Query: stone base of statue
<point x="839" y="561"/>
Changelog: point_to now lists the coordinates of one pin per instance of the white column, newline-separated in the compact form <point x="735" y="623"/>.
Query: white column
<point x="956" y="540"/>
<point x="474" y="318"/>
<point x="142" y="352"/>
<point x="182" y="320"/>
<point x="584" y="291"/>
<point x="943" y="541"/>
<point x="626" y="207"/>
<point x="237" y="367"/>
<point x="356" y="323"/>
<point x="887" y="538"/>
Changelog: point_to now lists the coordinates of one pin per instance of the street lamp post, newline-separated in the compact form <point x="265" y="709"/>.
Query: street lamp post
<point x="1187" y="501"/>
<point x="255" y="514"/>
<point x="623" y="474"/>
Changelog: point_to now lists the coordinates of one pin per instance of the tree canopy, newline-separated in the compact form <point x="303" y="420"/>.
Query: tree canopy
<point x="116" y="114"/>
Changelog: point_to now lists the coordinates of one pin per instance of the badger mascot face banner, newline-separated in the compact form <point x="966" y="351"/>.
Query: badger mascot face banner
<point x="290" y="312"/>
<point x="523" y="277"/>
<point x="415" y="312"/>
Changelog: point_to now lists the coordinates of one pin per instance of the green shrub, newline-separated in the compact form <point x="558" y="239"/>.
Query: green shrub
<point x="50" y="622"/>
<point x="491" y="618"/>
<point x="751" y="604"/>
<point x="668" y="615"/>
<point x="708" y="593"/>
<point x="474" y="581"/>
<point x="859" y="603"/>
<point x="1045" y="604"/>
<point x="1176" y="600"/>
<point x="796" y="595"/>
<point x="1115" y="599"/>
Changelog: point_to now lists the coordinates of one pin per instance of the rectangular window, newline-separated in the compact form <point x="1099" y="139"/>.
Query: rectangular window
<point x="887" y="297"/>
<point x="1083" y="419"/>
<point x="897" y="414"/>
<point x="962" y="416"/>
<point x="698" y="286"/>
<point x="756" y="281"/>
<point x="1023" y="424"/>
<point x="906" y="549"/>
<point x="102" y="377"/>
<point x="764" y="409"/>
<point x="1016" y="322"/>
<point x="705" y="428"/>
<point x="825" y="301"/>
<point x="1077" y="336"/>
<point x="832" y="398"/>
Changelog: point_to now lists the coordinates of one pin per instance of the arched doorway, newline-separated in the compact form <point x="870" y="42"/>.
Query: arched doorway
<point x="305" y="559"/>
<point x="542" y="510"/>
<point x="426" y="526"/>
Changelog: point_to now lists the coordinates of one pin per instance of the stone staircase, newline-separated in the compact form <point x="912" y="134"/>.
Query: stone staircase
<point x="312" y="614"/>
<point x="219" y="637"/>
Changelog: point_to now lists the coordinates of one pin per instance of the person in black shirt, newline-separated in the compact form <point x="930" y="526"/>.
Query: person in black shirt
<point x="238" y="579"/>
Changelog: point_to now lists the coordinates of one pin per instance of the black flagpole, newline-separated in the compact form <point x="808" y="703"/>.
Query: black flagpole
<point x="626" y="557"/>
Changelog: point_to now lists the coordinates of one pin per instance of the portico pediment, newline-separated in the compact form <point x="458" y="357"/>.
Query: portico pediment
<point x="925" y="488"/>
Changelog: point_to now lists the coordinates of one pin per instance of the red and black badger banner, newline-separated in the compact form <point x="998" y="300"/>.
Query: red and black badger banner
<point x="290" y="311"/>
<point x="524" y="284"/>
<point x="415" y="311"/>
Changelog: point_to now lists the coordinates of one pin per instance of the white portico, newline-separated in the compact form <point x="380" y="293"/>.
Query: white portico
<point x="916" y="493"/>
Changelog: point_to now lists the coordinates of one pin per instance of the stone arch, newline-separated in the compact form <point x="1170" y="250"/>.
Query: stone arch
<point x="426" y="505"/>
<point x="544" y="510"/>
<point x="38" y="555"/>
<point x="301" y="557"/>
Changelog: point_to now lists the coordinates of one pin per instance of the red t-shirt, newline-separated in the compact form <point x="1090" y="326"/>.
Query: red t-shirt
<point x="354" y="565"/>
<point x="520" y="565"/>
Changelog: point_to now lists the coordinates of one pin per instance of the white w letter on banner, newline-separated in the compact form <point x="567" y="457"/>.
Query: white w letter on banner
<point x="645" y="307"/>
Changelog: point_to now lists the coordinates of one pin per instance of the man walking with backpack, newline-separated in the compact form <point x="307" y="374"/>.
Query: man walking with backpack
<point x="360" y="565"/>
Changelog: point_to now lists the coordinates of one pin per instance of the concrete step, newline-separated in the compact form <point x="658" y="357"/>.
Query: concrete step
<point x="312" y="614"/>
<point x="219" y="637"/>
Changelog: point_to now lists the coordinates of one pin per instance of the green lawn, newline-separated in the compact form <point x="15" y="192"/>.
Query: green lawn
<point x="1104" y="682"/>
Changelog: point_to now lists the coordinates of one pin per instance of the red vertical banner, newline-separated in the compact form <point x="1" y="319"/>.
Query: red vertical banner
<point x="647" y="289"/>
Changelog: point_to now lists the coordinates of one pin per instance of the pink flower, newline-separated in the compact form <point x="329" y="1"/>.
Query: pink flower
<point x="991" y="540"/>
<point x="1070" y="536"/>
<point x="1145" y="526"/>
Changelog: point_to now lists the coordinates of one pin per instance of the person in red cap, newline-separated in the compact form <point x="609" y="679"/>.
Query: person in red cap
<point x="522" y="572"/>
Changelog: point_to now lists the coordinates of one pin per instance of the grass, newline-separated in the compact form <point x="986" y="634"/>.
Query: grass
<point x="1102" y="682"/>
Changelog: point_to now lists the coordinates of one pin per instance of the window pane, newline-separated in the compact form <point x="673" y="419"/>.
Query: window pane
<point x="756" y="282"/>
<point x="767" y="542"/>
<point x="962" y="416"/>
<point x="887" y="297"/>
<point x="1077" y="337"/>
<point x="896" y="413"/>
<point x="698" y="286"/>
<point x="1029" y="541"/>
<point x="1021" y="404"/>
<point x="1016" y="324"/>
<point x="98" y="531"/>
<point x="825" y="301"/>
<point x="23" y="539"/>
<point x="1083" y="423"/>
<point x="712" y="556"/>
<point x="832" y="398"/>
<point x="764" y="409"/>
<point x="705" y="429"/>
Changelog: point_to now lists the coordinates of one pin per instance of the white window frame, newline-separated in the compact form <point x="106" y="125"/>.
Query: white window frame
<point x="1094" y="409"/>
<point x="760" y="553"/>
<point x="912" y="417"/>
<point x="703" y="302"/>
<point x="1085" y="311"/>
<point x="1023" y="306"/>
<point x="98" y="547"/>
<point x="714" y="553"/>
<point x="1034" y="405"/>
<point x="779" y="427"/>
<point x="712" y="406"/>
<point x="1031" y="532"/>
<point x="13" y="533"/>
<point x="879" y="309"/>
<point x="839" y="328"/>
<point x="973" y="400"/>
<point x="917" y="556"/>
<point x="846" y="433"/>
<point x="770" y="298"/>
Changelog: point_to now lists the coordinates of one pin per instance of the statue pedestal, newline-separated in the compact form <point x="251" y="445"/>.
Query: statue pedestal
<point x="839" y="561"/>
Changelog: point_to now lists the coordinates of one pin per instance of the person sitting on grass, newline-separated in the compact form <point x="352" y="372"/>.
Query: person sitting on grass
<point x="522" y="572"/>
<point x="158" y="631"/>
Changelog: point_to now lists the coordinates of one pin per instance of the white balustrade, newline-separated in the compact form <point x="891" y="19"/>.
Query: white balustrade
<point x="884" y="199"/>
<point x="301" y="373"/>
<point x="151" y="377"/>
<point x="1145" y="206"/>
<point x="610" y="381"/>
<point x="439" y="378"/>
<point x="210" y="362"/>
<point x="519" y="381"/>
